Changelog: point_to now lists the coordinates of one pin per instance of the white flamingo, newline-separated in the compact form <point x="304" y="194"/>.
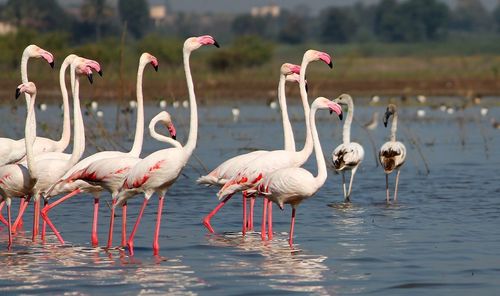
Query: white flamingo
<point x="226" y="170"/>
<point x="159" y="170"/>
<point x="392" y="154"/>
<point x="293" y="185"/>
<point x="70" y="183"/>
<point x="12" y="151"/>
<point x="348" y="155"/>
<point x="250" y="174"/>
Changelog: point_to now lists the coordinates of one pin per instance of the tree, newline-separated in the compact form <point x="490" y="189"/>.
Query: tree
<point x="98" y="14"/>
<point x="496" y="17"/>
<point x="43" y="15"/>
<point x="293" y="29"/>
<point x="337" y="25"/>
<point x="136" y="14"/>
<point x="471" y="16"/>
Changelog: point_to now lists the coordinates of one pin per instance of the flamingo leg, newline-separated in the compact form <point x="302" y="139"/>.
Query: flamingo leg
<point x="292" y="225"/>
<point x="156" y="245"/>
<point x="244" y="227"/>
<point x="36" y="219"/>
<point x="396" y="187"/>
<point x="2" y="219"/>
<point x="49" y="207"/>
<point x="353" y="172"/>
<point x="130" y="243"/>
<point x="9" y="225"/>
<point x="252" y="205"/>
<point x="44" y="223"/>
<point x="94" y="238"/>
<point x="269" y="220"/>
<point x="111" y="224"/>
<point x="124" y="225"/>
<point x="206" y="220"/>
<point x="343" y="185"/>
<point x="19" y="220"/>
<point x="387" y="188"/>
<point x="264" y="215"/>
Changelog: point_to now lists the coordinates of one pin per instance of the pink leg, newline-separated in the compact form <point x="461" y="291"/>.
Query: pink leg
<point x="36" y="219"/>
<point x="111" y="224"/>
<point x="252" y="204"/>
<point x="156" y="245"/>
<point x="9" y="226"/>
<point x="206" y="220"/>
<point x="130" y="243"/>
<point x="263" y="227"/>
<point x="19" y="220"/>
<point x="94" y="239"/>
<point x="44" y="223"/>
<point x="292" y="224"/>
<point x="269" y="220"/>
<point x="244" y="228"/>
<point x="124" y="225"/>
<point x="49" y="207"/>
<point x="2" y="219"/>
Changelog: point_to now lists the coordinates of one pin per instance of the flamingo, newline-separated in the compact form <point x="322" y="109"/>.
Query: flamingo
<point x="12" y="151"/>
<point x="251" y="173"/>
<point x="159" y="170"/>
<point x="392" y="154"/>
<point x="293" y="185"/>
<point x="348" y="155"/>
<point x="70" y="183"/>
<point x="219" y="176"/>
<point x="109" y="173"/>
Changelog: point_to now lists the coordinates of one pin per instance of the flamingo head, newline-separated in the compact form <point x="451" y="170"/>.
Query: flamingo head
<point x="314" y="55"/>
<point x="37" y="52"/>
<point x="391" y="109"/>
<point x="28" y="87"/>
<point x="194" y="43"/>
<point x="295" y="78"/>
<point x="324" y="103"/>
<point x="287" y="69"/>
<point x="85" y="66"/>
<point x="343" y="99"/>
<point x="165" y="118"/>
<point x="95" y="66"/>
<point x="149" y="58"/>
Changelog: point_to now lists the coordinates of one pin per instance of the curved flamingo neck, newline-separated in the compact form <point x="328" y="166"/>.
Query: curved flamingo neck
<point x="30" y="135"/>
<point x="78" y="128"/>
<point x="66" y="132"/>
<point x="24" y="69"/>
<point x="287" y="127"/>
<point x="346" y="132"/>
<point x="139" y="126"/>
<point x="303" y="154"/>
<point x="394" y="126"/>
<point x="193" y="123"/>
<point x="320" y="159"/>
<point x="160" y="137"/>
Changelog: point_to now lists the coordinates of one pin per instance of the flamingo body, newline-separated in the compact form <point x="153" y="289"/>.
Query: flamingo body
<point x="392" y="156"/>
<point x="348" y="156"/>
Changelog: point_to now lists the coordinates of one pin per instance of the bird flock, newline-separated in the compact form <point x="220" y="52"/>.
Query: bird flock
<point x="36" y="169"/>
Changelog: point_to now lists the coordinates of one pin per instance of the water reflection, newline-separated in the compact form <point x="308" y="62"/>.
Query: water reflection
<point x="283" y="268"/>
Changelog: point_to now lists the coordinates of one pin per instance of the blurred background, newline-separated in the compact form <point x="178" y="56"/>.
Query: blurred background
<point x="386" y="47"/>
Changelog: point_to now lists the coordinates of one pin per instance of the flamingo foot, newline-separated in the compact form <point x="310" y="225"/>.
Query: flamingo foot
<point x="130" y="246"/>
<point x="206" y="222"/>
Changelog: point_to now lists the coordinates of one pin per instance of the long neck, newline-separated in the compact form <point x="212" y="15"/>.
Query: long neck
<point x="193" y="124"/>
<point x="320" y="159"/>
<point x="30" y="135"/>
<point x="394" y="126"/>
<point x="24" y="70"/>
<point x="346" y="134"/>
<point x="66" y="132"/>
<point x="287" y="127"/>
<point x="78" y="128"/>
<point x="139" y="126"/>
<point x="303" y="154"/>
<point x="162" y="138"/>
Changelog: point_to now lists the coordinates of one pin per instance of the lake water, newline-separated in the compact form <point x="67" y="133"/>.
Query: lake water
<point x="441" y="238"/>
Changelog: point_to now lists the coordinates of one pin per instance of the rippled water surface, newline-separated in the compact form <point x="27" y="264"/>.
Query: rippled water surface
<point x="441" y="238"/>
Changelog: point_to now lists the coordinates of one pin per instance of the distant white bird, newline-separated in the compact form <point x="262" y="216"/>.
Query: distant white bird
<point x="42" y="107"/>
<point x="392" y="154"/>
<point x="94" y="105"/>
<point x="421" y="99"/>
<point x="450" y="110"/>
<point x="163" y="104"/>
<point x="236" y="113"/>
<point x="373" y="123"/>
<point x="132" y="104"/>
<point x="176" y="104"/>
<point x="99" y="114"/>
<point x="273" y="105"/>
<point x="375" y="99"/>
<point x="484" y="111"/>
<point x="443" y="107"/>
<point x="420" y="113"/>
<point x="348" y="155"/>
<point x="185" y="104"/>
